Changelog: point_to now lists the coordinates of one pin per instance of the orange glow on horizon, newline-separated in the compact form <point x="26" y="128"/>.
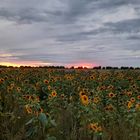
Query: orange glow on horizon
<point x="83" y="65"/>
<point x="38" y="63"/>
<point x="29" y="63"/>
<point x="9" y="64"/>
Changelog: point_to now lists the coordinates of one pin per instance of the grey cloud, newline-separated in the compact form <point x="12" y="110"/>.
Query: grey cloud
<point x="23" y="16"/>
<point x="133" y="37"/>
<point x="125" y="26"/>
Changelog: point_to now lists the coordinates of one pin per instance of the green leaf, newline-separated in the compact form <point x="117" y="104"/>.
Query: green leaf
<point x="53" y="122"/>
<point x="30" y="121"/>
<point x="43" y="119"/>
<point x="31" y="131"/>
<point x="51" y="138"/>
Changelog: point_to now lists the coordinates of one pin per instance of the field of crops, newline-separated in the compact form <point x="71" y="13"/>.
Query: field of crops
<point x="69" y="104"/>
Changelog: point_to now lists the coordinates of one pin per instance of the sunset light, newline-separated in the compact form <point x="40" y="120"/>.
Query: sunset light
<point x="9" y="64"/>
<point x="28" y="63"/>
<point x="83" y="65"/>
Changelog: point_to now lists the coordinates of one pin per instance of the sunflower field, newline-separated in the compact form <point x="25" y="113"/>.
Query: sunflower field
<point x="69" y="104"/>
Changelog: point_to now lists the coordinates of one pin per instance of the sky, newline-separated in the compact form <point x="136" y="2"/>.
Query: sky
<point x="70" y="32"/>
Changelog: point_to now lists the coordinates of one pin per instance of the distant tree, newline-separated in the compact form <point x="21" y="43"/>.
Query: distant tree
<point x="97" y="67"/>
<point x="62" y="67"/>
<point x="80" y="67"/>
<point x="124" y="68"/>
<point x="72" y="67"/>
<point x="137" y="68"/>
<point x="108" y="67"/>
<point x="2" y="66"/>
<point x="115" y="68"/>
<point x="131" y="68"/>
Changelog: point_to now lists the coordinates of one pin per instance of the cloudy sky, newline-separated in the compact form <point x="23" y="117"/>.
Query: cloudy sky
<point x="70" y="32"/>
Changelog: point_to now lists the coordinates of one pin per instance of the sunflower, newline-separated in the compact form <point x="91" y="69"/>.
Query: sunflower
<point x="53" y="93"/>
<point x="92" y="77"/>
<point x="109" y="107"/>
<point x="28" y="97"/>
<point x="32" y="98"/>
<point x="40" y="110"/>
<point x="62" y="96"/>
<point x="132" y="99"/>
<point x="93" y="127"/>
<point x="129" y="104"/>
<point x="110" y="87"/>
<point x="37" y="99"/>
<point x="96" y="100"/>
<point x="1" y="80"/>
<point x="5" y="78"/>
<point x="137" y="106"/>
<point x="82" y="93"/>
<point x="99" y="129"/>
<point x="50" y="96"/>
<point x="9" y="89"/>
<point x="69" y="77"/>
<point x="26" y="81"/>
<point x="12" y="85"/>
<point x="28" y="109"/>
<point x="49" y="87"/>
<point x="18" y="89"/>
<point x="138" y="97"/>
<point x="129" y="93"/>
<point x="46" y="81"/>
<point x="84" y="100"/>
<point x="111" y="95"/>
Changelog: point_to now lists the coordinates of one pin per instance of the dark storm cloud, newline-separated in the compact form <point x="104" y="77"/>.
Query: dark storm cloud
<point x="70" y="31"/>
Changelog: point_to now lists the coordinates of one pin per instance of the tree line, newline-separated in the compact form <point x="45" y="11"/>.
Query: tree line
<point x="72" y="67"/>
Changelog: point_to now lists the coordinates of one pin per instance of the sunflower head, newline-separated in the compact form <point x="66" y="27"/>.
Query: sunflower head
<point x="109" y="107"/>
<point x="28" y="109"/>
<point x="18" y="89"/>
<point x="129" y="104"/>
<point x="82" y="93"/>
<point x="62" y="96"/>
<point x="96" y="99"/>
<point x="53" y="93"/>
<point x="137" y="106"/>
<point x="132" y="99"/>
<point x="1" y="80"/>
<point x="46" y="81"/>
<point x="40" y="110"/>
<point x="111" y="95"/>
<point x="84" y="100"/>
<point x="49" y="87"/>
<point x="95" y="127"/>
<point x="138" y="97"/>
<point x="129" y="93"/>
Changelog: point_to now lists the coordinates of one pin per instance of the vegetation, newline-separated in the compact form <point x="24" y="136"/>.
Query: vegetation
<point x="69" y="104"/>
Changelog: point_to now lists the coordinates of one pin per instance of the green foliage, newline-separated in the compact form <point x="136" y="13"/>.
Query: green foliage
<point x="58" y="104"/>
